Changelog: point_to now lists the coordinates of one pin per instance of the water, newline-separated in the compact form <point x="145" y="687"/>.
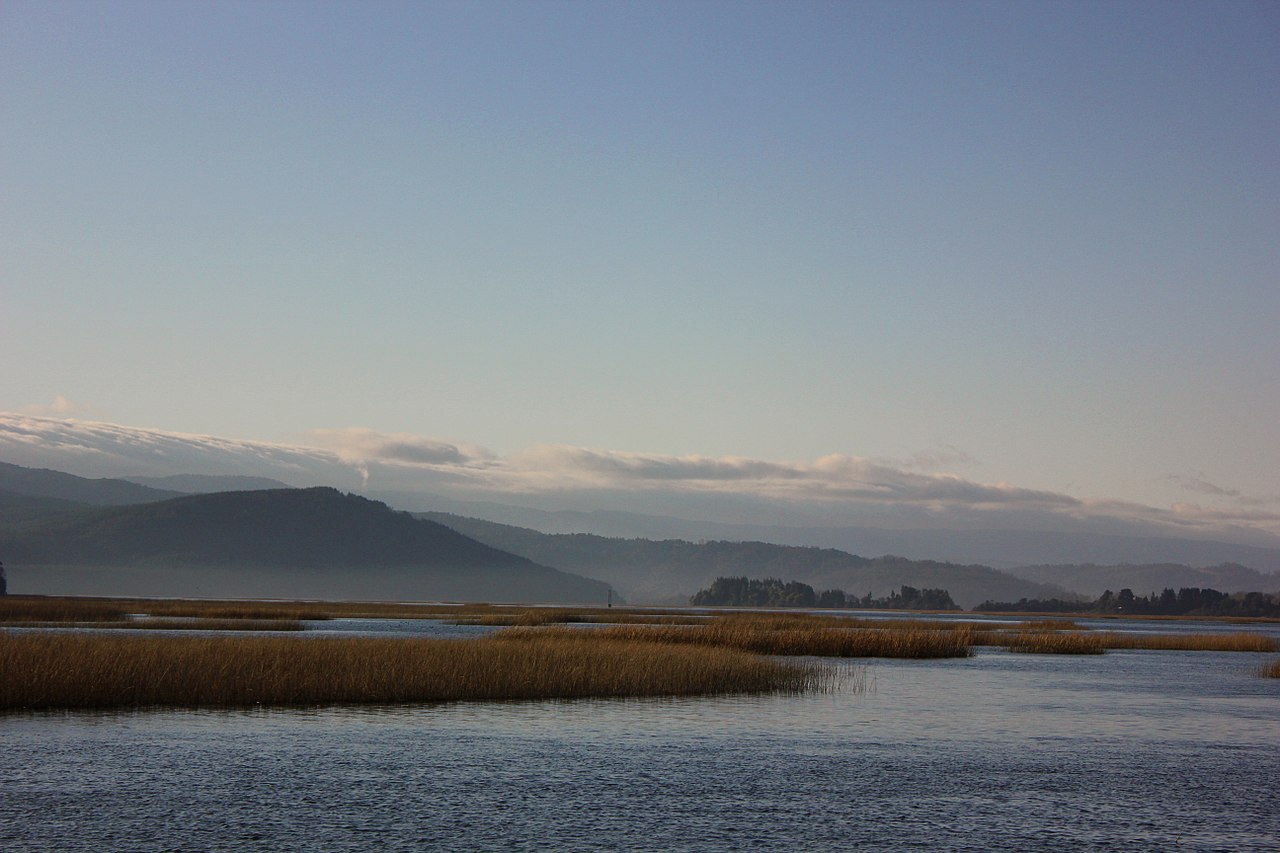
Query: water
<point x="1132" y="750"/>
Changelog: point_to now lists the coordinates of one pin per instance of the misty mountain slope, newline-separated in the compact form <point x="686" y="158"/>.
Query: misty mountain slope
<point x="18" y="510"/>
<point x="1093" y="580"/>
<point x="671" y="570"/>
<point x="998" y="548"/>
<point x="289" y="543"/>
<point x="46" y="483"/>
<point x="202" y="484"/>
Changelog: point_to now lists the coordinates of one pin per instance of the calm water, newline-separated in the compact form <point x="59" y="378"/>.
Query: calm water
<point x="1126" y="751"/>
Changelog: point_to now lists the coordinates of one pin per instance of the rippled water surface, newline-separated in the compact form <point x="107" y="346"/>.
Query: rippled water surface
<point x="1132" y="750"/>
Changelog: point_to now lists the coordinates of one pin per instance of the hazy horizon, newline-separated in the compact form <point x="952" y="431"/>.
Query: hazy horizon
<point x="954" y="265"/>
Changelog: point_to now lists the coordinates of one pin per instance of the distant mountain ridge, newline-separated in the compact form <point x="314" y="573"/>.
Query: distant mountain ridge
<point x="664" y="562"/>
<point x="283" y="543"/>
<point x="669" y="571"/>
<point x="47" y="483"/>
<point x="1000" y="549"/>
<point x="202" y="484"/>
<point x="1094" y="580"/>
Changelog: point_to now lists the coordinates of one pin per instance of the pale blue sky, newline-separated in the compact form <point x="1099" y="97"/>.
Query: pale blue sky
<point x="1039" y="241"/>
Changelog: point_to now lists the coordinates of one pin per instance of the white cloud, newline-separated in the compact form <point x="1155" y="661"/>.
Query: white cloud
<point x="97" y="449"/>
<point x="361" y="445"/>
<point x="836" y="486"/>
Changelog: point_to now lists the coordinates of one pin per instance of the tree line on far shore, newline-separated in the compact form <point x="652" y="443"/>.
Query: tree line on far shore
<point x="1188" y="601"/>
<point x="773" y="592"/>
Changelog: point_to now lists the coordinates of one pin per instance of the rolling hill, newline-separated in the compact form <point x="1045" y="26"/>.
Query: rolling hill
<point x="308" y="543"/>
<point x="46" y="483"/>
<point x="669" y="571"/>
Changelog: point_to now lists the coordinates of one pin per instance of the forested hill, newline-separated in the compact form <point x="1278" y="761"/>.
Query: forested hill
<point x="669" y="571"/>
<point x="287" y="542"/>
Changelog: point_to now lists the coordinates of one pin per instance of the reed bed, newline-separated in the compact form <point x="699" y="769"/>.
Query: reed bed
<point x="1271" y="670"/>
<point x="47" y="671"/>
<point x="25" y="609"/>
<point x="80" y="609"/>
<point x="1051" y="642"/>
<point x="769" y="639"/>
<point x="804" y="621"/>
<point x="1233" y="642"/>
<point x="231" y="611"/>
<point x="1049" y="625"/>
<point x="559" y="616"/>
<point x="199" y="624"/>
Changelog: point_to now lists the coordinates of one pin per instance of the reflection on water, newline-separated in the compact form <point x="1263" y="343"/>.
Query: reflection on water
<point x="1132" y="750"/>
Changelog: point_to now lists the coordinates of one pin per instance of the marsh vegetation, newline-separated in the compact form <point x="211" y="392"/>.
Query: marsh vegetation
<point x="538" y="653"/>
<point x="44" y="670"/>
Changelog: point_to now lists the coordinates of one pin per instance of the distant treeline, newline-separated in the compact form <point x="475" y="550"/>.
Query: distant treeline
<point x="1188" y="601"/>
<point x="772" y="592"/>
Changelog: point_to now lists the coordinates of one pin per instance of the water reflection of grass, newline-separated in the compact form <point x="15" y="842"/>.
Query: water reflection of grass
<point x="61" y="670"/>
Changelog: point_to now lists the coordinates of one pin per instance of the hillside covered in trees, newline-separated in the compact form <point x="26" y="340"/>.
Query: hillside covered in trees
<point x="772" y="592"/>
<point x="669" y="571"/>
<point x="1188" y="601"/>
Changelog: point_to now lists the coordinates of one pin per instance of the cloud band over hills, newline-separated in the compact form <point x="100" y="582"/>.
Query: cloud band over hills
<point x="834" y="489"/>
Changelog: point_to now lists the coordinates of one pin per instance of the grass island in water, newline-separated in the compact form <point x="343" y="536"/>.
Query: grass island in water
<point x="545" y="653"/>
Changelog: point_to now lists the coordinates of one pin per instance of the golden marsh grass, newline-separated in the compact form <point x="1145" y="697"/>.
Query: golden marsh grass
<point x="559" y="616"/>
<point x="771" y="637"/>
<point x="200" y="624"/>
<point x="27" y="609"/>
<point x="1231" y="642"/>
<point x="58" y="670"/>
<point x="1095" y="642"/>
<point x="1272" y="670"/>
<point x="1053" y="643"/>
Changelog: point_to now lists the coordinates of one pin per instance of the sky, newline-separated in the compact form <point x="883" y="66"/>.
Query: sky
<point x="947" y="257"/>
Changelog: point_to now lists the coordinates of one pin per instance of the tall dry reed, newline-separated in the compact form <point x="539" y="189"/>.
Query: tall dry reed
<point x="18" y="609"/>
<point x="200" y="624"/>
<point x="1229" y="642"/>
<point x="41" y="671"/>
<point x="1051" y="642"/>
<point x="819" y="640"/>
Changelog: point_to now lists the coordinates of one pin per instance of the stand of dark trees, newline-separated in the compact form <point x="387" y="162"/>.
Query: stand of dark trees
<point x="1188" y="601"/>
<point x="772" y="592"/>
